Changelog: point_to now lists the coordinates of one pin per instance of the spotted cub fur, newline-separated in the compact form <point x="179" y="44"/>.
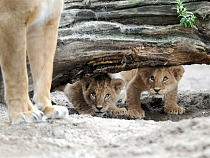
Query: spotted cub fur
<point x="156" y="80"/>
<point x="96" y="95"/>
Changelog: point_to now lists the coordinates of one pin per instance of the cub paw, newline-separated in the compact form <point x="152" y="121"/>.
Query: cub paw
<point x="117" y="111"/>
<point x="28" y="117"/>
<point x="136" y="114"/>
<point x="174" y="110"/>
<point x="56" y="112"/>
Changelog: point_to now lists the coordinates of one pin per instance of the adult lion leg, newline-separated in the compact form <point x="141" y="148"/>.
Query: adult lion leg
<point x="41" y="46"/>
<point x="13" y="64"/>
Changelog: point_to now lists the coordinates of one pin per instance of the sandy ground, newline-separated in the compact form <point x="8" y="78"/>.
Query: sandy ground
<point x="158" y="135"/>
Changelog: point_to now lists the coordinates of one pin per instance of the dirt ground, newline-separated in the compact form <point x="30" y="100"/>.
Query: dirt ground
<point x="84" y="136"/>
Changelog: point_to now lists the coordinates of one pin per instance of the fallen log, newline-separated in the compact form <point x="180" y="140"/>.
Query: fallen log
<point x="111" y="36"/>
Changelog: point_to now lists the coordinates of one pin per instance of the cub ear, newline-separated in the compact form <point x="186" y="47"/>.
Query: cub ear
<point x="177" y="71"/>
<point x="117" y="84"/>
<point x="86" y="83"/>
<point x="144" y="71"/>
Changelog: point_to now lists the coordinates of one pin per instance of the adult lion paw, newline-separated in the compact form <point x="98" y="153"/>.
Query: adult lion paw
<point x="174" y="110"/>
<point x="28" y="117"/>
<point x="136" y="113"/>
<point x="56" y="112"/>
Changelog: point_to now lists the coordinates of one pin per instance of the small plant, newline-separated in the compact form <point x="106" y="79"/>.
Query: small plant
<point x="187" y="18"/>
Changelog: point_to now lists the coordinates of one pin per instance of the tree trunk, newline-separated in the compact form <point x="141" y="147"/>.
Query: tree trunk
<point x="110" y="36"/>
<point x="113" y="35"/>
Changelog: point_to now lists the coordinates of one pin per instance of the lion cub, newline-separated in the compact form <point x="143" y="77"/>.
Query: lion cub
<point x="96" y="95"/>
<point x="158" y="81"/>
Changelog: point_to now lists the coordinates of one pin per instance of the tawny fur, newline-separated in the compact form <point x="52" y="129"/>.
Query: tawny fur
<point x="156" y="80"/>
<point x="31" y="25"/>
<point x="128" y="75"/>
<point x="96" y="95"/>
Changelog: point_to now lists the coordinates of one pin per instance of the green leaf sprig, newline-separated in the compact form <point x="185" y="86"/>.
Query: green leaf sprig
<point x="187" y="18"/>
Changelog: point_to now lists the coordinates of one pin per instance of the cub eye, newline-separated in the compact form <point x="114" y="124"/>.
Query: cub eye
<point x="93" y="95"/>
<point x="165" y="78"/>
<point x="152" y="78"/>
<point x="107" y="96"/>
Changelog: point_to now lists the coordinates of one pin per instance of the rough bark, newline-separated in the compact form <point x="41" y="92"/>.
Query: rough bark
<point x="110" y="36"/>
<point x="99" y="36"/>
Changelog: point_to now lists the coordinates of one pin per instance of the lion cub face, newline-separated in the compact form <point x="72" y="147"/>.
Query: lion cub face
<point x="161" y="80"/>
<point x="100" y="92"/>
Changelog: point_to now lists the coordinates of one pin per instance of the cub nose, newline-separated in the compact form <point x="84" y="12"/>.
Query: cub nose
<point x="157" y="90"/>
<point x="99" y="108"/>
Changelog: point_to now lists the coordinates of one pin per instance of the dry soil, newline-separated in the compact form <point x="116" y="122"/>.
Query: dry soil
<point x="84" y="136"/>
